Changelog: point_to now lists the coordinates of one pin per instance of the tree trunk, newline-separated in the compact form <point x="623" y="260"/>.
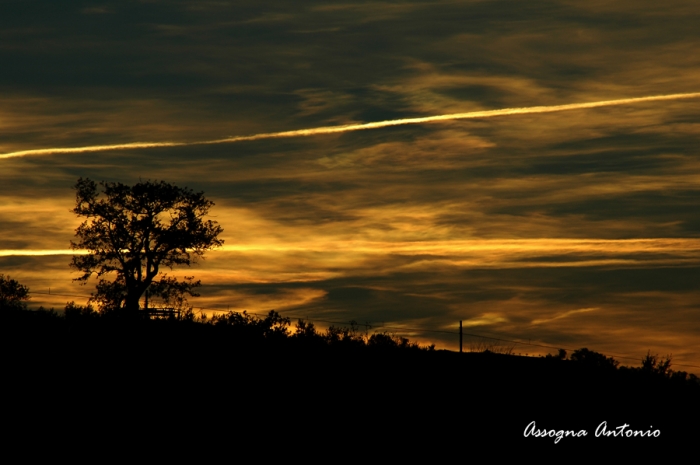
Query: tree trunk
<point x="131" y="305"/>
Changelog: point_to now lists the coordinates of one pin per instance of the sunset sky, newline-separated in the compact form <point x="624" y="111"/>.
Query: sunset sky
<point x="575" y="228"/>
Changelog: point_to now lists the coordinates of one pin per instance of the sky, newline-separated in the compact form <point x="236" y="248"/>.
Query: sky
<point x="575" y="228"/>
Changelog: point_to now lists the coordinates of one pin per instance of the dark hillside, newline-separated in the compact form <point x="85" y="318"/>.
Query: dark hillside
<point x="255" y="376"/>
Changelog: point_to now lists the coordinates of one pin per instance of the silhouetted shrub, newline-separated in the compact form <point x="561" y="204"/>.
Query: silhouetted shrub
<point x="593" y="359"/>
<point x="74" y="312"/>
<point x="652" y="365"/>
<point x="305" y="330"/>
<point x="247" y="326"/>
<point x="561" y="355"/>
<point x="382" y="341"/>
<point x="345" y="337"/>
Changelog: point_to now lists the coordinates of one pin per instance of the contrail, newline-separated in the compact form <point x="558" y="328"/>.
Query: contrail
<point x="357" y="127"/>
<point x="95" y="148"/>
<point x="689" y="248"/>
<point x="39" y="253"/>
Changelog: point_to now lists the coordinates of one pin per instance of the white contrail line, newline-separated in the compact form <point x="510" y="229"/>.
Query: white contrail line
<point x="95" y="148"/>
<point x="39" y="253"/>
<point x="690" y="247"/>
<point x="358" y="127"/>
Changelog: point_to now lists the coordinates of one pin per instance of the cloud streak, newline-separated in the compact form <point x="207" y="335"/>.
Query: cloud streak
<point x="358" y="127"/>
<point x="40" y="253"/>
<point x="682" y="246"/>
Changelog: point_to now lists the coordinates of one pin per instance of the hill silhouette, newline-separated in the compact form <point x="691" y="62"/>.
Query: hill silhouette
<point x="239" y="374"/>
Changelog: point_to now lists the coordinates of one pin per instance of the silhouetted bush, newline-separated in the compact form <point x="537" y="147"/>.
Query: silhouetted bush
<point x="74" y="312"/>
<point x="345" y="337"/>
<point x="392" y="341"/>
<point x="561" y="355"/>
<point x="652" y="365"/>
<point x="595" y="360"/>
<point x="251" y="327"/>
<point x="305" y="330"/>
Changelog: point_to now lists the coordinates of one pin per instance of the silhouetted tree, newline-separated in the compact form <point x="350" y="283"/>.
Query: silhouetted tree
<point x="13" y="295"/>
<point x="382" y="340"/>
<point x="561" y="355"/>
<point x="651" y="364"/>
<point x="593" y="359"/>
<point x="133" y="232"/>
<point x="305" y="330"/>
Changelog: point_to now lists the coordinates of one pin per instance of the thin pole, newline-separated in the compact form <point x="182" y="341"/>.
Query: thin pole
<point x="460" y="336"/>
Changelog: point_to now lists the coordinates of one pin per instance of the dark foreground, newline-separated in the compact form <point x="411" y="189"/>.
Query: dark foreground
<point x="166" y="386"/>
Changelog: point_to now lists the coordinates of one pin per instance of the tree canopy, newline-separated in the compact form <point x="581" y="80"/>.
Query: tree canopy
<point x="133" y="232"/>
<point x="13" y="295"/>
